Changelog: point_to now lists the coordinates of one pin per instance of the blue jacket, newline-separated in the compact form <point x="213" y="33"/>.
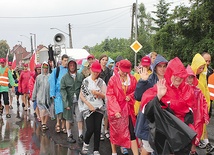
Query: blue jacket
<point x="143" y="85"/>
<point x="55" y="88"/>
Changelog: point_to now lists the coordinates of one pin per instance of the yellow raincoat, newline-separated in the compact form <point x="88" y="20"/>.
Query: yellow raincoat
<point x="198" y="61"/>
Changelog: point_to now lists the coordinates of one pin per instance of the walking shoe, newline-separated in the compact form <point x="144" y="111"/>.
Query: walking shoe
<point x="96" y="153"/>
<point x="107" y="135"/>
<point x="1" y="109"/>
<point x="80" y="139"/>
<point x="193" y="153"/>
<point x="18" y="103"/>
<point x="8" y="116"/>
<point x="124" y="150"/>
<point x="10" y="106"/>
<point x="209" y="148"/>
<point x="85" y="148"/>
<point x="102" y="137"/>
<point x="70" y="139"/>
<point x="202" y="145"/>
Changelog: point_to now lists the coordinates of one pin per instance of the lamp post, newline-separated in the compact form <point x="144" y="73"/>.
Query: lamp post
<point x="34" y="41"/>
<point x="31" y="43"/>
<point x="69" y="34"/>
<point x="20" y="42"/>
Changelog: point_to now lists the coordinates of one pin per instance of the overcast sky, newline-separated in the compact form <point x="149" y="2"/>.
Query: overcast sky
<point x="92" y="21"/>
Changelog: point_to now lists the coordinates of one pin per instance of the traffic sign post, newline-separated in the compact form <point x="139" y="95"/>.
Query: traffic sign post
<point x="136" y="46"/>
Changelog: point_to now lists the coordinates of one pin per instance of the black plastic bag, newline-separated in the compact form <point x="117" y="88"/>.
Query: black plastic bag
<point x="168" y="134"/>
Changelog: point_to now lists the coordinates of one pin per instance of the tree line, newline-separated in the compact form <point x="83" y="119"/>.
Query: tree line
<point x="185" y="31"/>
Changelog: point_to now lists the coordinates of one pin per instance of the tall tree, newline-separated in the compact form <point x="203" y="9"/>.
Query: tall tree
<point x="162" y="14"/>
<point x="144" y="31"/>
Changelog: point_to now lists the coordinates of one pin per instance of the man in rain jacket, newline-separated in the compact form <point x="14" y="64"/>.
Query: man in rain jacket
<point x="5" y="78"/>
<point x="70" y="89"/>
<point x="55" y="92"/>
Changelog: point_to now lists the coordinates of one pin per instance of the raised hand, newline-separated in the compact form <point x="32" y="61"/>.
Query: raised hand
<point x="161" y="88"/>
<point x="144" y="75"/>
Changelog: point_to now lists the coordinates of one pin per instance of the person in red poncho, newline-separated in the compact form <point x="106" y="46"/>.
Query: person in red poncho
<point x="177" y="97"/>
<point x="23" y="86"/>
<point x="120" y="108"/>
<point x="31" y="83"/>
<point x="200" y="110"/>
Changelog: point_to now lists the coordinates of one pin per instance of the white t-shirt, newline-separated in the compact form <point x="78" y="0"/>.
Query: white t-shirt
<point x="87" y="86"/>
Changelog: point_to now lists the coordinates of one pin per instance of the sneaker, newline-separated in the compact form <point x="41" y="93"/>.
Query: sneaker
<point x="202" y="145"/>
<point x="70" y="139"/>
<point x="102" y="137"/>
<point x="124" y="150"/>
<point x="209" y="148"/>
<point x="80" y="139"/>
<point x="96" y="153"/>
<point x="85" y="148"/>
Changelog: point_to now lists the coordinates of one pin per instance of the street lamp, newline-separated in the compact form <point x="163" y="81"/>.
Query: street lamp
<point x="20" y="42"/>
<point x="34" y="41"/>
<point x="69" y="34"/>
<point x="31" y="43"/>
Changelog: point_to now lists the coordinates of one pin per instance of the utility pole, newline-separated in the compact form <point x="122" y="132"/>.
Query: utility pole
<point x="136" y="27"/>
<point x="70" y="36"/>
<point x="31" y="43"/>
<point x="132" y="26"/>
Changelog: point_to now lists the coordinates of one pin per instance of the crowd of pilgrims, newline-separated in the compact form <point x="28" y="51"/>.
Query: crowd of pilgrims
<point x="159" y="107"/>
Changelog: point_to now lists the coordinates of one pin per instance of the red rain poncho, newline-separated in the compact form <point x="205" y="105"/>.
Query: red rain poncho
<point x="23" y="82"/>
<point x="200" y="110"/>
<point x="119" y="131"/>
<point x="181" y="98"/>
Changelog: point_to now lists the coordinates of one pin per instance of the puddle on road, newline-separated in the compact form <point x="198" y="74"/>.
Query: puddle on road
<point x="21" y="135"/>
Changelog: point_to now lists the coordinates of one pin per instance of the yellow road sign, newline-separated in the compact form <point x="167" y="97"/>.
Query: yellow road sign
<point x="136" y="46"/>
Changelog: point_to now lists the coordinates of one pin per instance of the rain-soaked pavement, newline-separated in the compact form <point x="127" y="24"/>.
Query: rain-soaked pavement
<point x="21" y="135"/>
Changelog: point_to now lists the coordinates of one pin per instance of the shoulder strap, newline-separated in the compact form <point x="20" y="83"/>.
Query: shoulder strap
<point x="57" y="72"/>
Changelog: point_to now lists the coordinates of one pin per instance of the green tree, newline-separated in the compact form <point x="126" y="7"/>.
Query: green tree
<point x="189" y="30"/>
<point x="162" y="14"/>
<point x="4" y="47"/>
<point x="144" y="31"/>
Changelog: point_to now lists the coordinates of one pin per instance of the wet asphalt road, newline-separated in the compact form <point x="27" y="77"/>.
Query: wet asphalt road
<point x="21" y="135"/>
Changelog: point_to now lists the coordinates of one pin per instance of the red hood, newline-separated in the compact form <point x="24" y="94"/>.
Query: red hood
<point x="190" y="72"/>
<point x="175" y="67"/>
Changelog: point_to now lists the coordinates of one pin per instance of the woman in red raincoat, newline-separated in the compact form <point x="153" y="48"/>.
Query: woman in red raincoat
<point x="120" y="107"/>
<point x="178" y="97"/>
<point x="23" y="86"/>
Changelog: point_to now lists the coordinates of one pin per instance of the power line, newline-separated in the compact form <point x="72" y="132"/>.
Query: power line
<point x="107" y="20"/>
<point x="68" y="15"/>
